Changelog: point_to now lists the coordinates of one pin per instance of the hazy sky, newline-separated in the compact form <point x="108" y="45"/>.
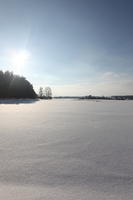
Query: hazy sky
<point x="78" y="47"/>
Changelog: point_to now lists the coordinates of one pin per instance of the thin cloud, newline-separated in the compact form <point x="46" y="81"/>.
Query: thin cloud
<point x="107" y="84"/>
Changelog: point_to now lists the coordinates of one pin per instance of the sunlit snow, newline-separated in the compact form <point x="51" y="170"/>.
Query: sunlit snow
<point x="66" y="150"/>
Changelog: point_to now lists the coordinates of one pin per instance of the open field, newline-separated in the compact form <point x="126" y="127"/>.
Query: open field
<point x="66" y="150"/>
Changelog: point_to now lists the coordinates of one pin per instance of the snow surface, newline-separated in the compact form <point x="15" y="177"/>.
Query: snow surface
<point x="66" y="150"/>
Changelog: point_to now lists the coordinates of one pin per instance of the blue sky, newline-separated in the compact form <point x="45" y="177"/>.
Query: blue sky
<point x="77" y="47"/>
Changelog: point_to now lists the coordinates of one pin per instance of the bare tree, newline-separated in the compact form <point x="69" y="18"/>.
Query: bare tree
<point x="48" y="93"/>
<point x="41" y="92"/>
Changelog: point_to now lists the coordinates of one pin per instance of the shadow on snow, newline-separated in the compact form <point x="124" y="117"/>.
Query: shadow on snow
<point x="18" y="101"/>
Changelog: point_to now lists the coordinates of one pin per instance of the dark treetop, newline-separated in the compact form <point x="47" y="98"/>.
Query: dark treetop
<point x="14" y="86"/>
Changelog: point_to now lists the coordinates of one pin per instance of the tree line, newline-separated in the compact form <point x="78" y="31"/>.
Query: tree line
<point x="15" y="86"/>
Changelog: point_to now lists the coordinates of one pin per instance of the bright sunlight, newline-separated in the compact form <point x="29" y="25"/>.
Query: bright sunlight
<point x="19" y="59"/>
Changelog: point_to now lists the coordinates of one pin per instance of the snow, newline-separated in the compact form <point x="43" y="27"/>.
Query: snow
<point x="66" y="150"/>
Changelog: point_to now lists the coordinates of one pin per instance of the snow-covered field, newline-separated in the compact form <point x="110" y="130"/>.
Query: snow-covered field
<point x="66" y="150"/>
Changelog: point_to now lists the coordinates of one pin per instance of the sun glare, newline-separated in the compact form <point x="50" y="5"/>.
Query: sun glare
<point x="20" y="58"/>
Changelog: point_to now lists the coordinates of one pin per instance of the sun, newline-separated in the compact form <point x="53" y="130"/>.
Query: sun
<point x="20" y="58"/>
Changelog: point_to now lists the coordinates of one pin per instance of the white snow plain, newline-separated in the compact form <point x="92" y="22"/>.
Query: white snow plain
<point x="66" y="150"/>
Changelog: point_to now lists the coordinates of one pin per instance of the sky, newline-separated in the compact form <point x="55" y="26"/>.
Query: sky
<point x="78" y="47"/>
